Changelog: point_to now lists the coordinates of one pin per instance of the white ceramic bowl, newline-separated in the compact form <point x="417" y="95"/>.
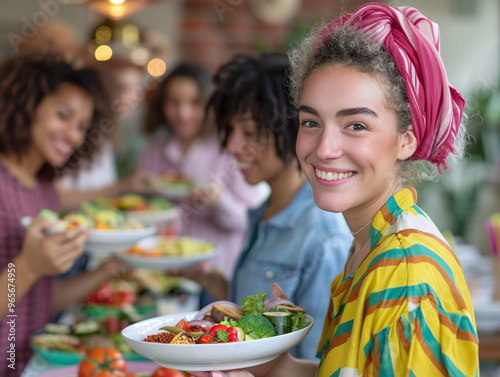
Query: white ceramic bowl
<point x="165" y="263"/>
<point x="107" y="241"/>
<point x="207" y="357"/>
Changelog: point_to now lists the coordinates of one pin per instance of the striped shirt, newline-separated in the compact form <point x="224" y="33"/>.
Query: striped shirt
<point x="35" y="308"/>
<point x="406" y="311"/>
<point x="224" y="225"/>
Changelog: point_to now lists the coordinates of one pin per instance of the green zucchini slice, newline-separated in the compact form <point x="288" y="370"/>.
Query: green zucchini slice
<point x="282" y="321"/>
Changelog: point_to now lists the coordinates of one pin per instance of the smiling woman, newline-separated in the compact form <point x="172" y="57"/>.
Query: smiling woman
<point x="49" y="114"/>
<point x="375" y="105"/>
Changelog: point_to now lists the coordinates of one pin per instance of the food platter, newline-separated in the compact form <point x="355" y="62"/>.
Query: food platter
<point x="173" y="187"/>
<point x="175" y="191"/>
<point x="167" y="262"/>
<point x="147" y="209"/>
<point x="108" y="241"/>
<point x="207" y="357"/>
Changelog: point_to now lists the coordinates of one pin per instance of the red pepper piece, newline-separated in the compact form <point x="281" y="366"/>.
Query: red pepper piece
<point x="225" y="334"/>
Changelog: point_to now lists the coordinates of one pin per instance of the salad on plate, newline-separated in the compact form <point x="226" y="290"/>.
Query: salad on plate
<point x="221" y="336"/>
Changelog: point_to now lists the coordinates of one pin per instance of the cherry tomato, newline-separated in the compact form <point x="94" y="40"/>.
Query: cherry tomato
<point x="101" y="295"/>
<point x="167" y="372"/>
<point x="207" y="339"/>
<point x="102" y="362"/>
<point x="119" y="298"/>
<point x="112" y="325"/>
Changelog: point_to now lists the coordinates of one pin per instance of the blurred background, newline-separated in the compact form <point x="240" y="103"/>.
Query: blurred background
<point x="154" y="35"/>
<point x="140" y="40"/>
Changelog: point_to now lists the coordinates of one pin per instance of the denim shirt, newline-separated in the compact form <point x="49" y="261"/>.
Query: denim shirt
<point x="302" y="248"/>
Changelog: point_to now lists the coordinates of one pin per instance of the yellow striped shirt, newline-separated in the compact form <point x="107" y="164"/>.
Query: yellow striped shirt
<point x="406" y="311"/>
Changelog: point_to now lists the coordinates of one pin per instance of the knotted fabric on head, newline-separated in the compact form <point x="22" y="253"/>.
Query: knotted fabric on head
<point x="413" y="42"/>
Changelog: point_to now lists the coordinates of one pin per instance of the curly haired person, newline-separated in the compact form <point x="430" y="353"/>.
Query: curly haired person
<point x="49" y="112"/>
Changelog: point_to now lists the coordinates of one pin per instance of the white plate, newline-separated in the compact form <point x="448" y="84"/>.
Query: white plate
<point x="164" y="263"/>
<point x="207" y="357"/>
<point x="152" y="218"/>
<point x="174" y="191"/>
<point x="109" y="241"/>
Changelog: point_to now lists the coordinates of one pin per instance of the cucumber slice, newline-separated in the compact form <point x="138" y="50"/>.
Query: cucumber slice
<point x="282" y="321"/>
<point x="86" y="328"/>
<point x="57" y="328"/>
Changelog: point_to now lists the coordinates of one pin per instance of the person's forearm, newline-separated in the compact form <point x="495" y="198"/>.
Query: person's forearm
<point x="71" y="291"/>
<point x="16" y="280"/>
<point x="71" y="199"/>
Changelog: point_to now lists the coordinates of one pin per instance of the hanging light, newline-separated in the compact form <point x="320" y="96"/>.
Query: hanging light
<point x="115" y="9"/>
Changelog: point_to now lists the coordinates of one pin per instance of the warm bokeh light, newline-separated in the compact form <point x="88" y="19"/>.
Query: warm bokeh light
<point x="116" y="2"/>
<point x="103" y="52"/>
<point x="156" y="67"/>
<point x="116" y="11"/>
<point x="139" y="56"/>
<point x="130" y="35"/>
<point x="103" y="34"/>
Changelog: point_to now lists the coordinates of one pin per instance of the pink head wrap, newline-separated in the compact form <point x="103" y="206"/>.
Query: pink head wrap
<point x="413" y="42"/>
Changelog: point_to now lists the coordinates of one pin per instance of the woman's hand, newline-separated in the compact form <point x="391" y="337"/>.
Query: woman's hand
<point x="113" y="267"/>
<point x="209" y="195"/>
<point x="138" y="181"/>
<point x="51" y="255"/>
<point x="278" y="292"/>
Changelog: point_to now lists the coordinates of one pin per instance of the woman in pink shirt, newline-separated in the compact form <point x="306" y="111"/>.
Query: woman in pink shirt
<point x="49" y="110"/>
<point x="217" y="212"/>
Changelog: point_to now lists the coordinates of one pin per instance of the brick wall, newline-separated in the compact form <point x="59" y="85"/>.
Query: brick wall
<point x="212" y="31"/>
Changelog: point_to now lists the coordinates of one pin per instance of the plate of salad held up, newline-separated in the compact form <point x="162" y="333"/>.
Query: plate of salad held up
<point x="110" y="229"/>
<point x="222" y="335"/>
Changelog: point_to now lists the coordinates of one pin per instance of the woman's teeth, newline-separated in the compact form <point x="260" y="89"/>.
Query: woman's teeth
<point x="243" y="165"/>
<point x="62" y="146"/>
<point x="329" y="176"/>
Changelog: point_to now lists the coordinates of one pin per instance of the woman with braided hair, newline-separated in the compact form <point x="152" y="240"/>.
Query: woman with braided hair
<point x="376" y="115"/>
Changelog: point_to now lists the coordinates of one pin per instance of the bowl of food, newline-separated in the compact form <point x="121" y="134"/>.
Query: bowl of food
<point x="110" y="229"/>
<point x="172" y="185"/>
<point x="162" y="253"/>
<point x="190" y="341"/>
<point x="149" y="210"/>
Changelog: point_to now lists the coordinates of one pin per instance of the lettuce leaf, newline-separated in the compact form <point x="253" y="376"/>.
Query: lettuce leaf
<point x="254" y="304"/>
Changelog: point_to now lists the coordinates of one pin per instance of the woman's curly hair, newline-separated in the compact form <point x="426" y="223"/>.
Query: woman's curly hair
<point x="257" y="85"/>
<point x="25" y="80"/>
